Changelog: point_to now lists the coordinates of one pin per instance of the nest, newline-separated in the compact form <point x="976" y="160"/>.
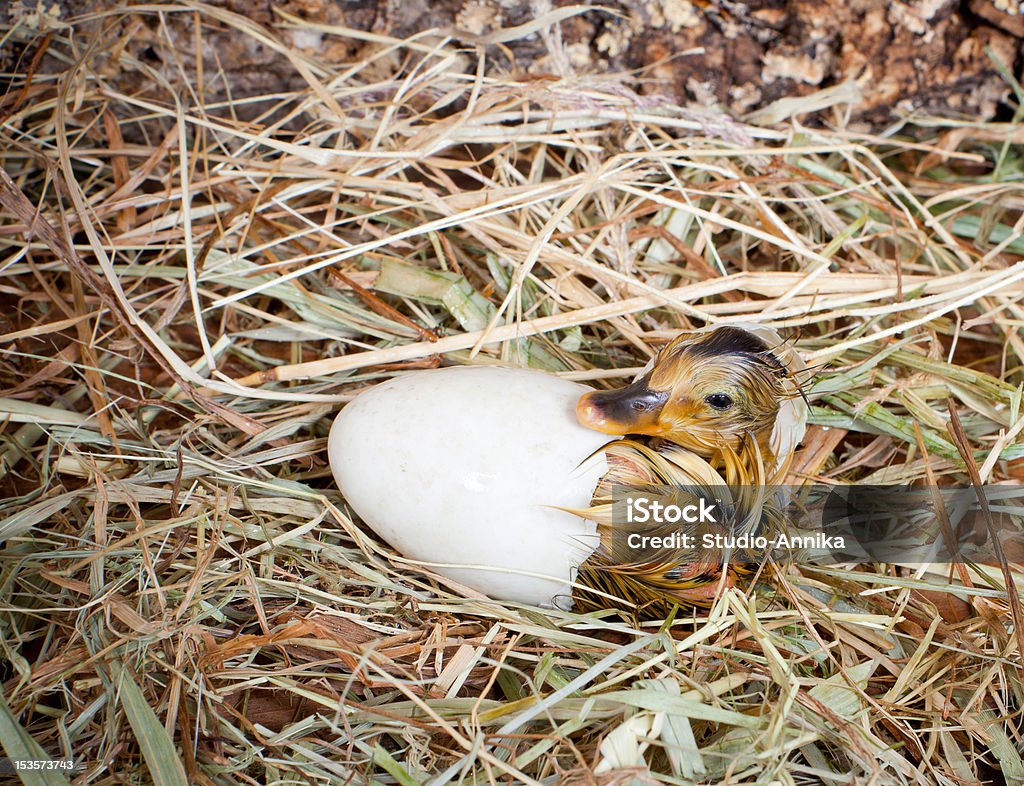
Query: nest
<point x="194" y="281"/>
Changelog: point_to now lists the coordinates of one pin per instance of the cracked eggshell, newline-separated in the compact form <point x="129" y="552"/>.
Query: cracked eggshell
<point x="464" y="468"/>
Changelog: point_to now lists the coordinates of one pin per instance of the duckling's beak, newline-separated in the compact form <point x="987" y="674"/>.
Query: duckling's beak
<point x="634" y="409"/>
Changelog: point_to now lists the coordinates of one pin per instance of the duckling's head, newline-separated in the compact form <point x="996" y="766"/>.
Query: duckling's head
<point x="707" y="390"/>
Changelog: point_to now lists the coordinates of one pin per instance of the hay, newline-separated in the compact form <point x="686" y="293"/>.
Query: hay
<point x="192" y="285"/>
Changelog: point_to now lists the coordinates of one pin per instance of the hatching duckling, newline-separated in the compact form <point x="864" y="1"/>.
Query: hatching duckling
<point x="727" y="411"/>
<point x="728" y="394"/>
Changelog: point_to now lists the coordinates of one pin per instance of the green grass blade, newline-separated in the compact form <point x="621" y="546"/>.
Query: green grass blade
<point x="164" y="763"/>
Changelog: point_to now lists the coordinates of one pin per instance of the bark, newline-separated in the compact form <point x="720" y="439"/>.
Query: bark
<point x="929" y="56"/>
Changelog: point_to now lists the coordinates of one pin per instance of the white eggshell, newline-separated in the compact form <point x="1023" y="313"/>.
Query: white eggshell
<point x="463" y="467"/>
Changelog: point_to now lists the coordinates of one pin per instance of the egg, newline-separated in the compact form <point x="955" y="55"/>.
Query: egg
<point x="469" y="469"/>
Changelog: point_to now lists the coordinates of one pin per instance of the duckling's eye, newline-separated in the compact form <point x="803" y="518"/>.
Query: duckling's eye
<point x="720" y="401"/>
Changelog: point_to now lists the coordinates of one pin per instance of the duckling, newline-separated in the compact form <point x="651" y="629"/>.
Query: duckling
<point x="729" y="394"/>
<point x="725" y="411"/>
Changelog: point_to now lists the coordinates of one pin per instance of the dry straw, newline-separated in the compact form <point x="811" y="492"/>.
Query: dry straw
<point x="194" y="277"/>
